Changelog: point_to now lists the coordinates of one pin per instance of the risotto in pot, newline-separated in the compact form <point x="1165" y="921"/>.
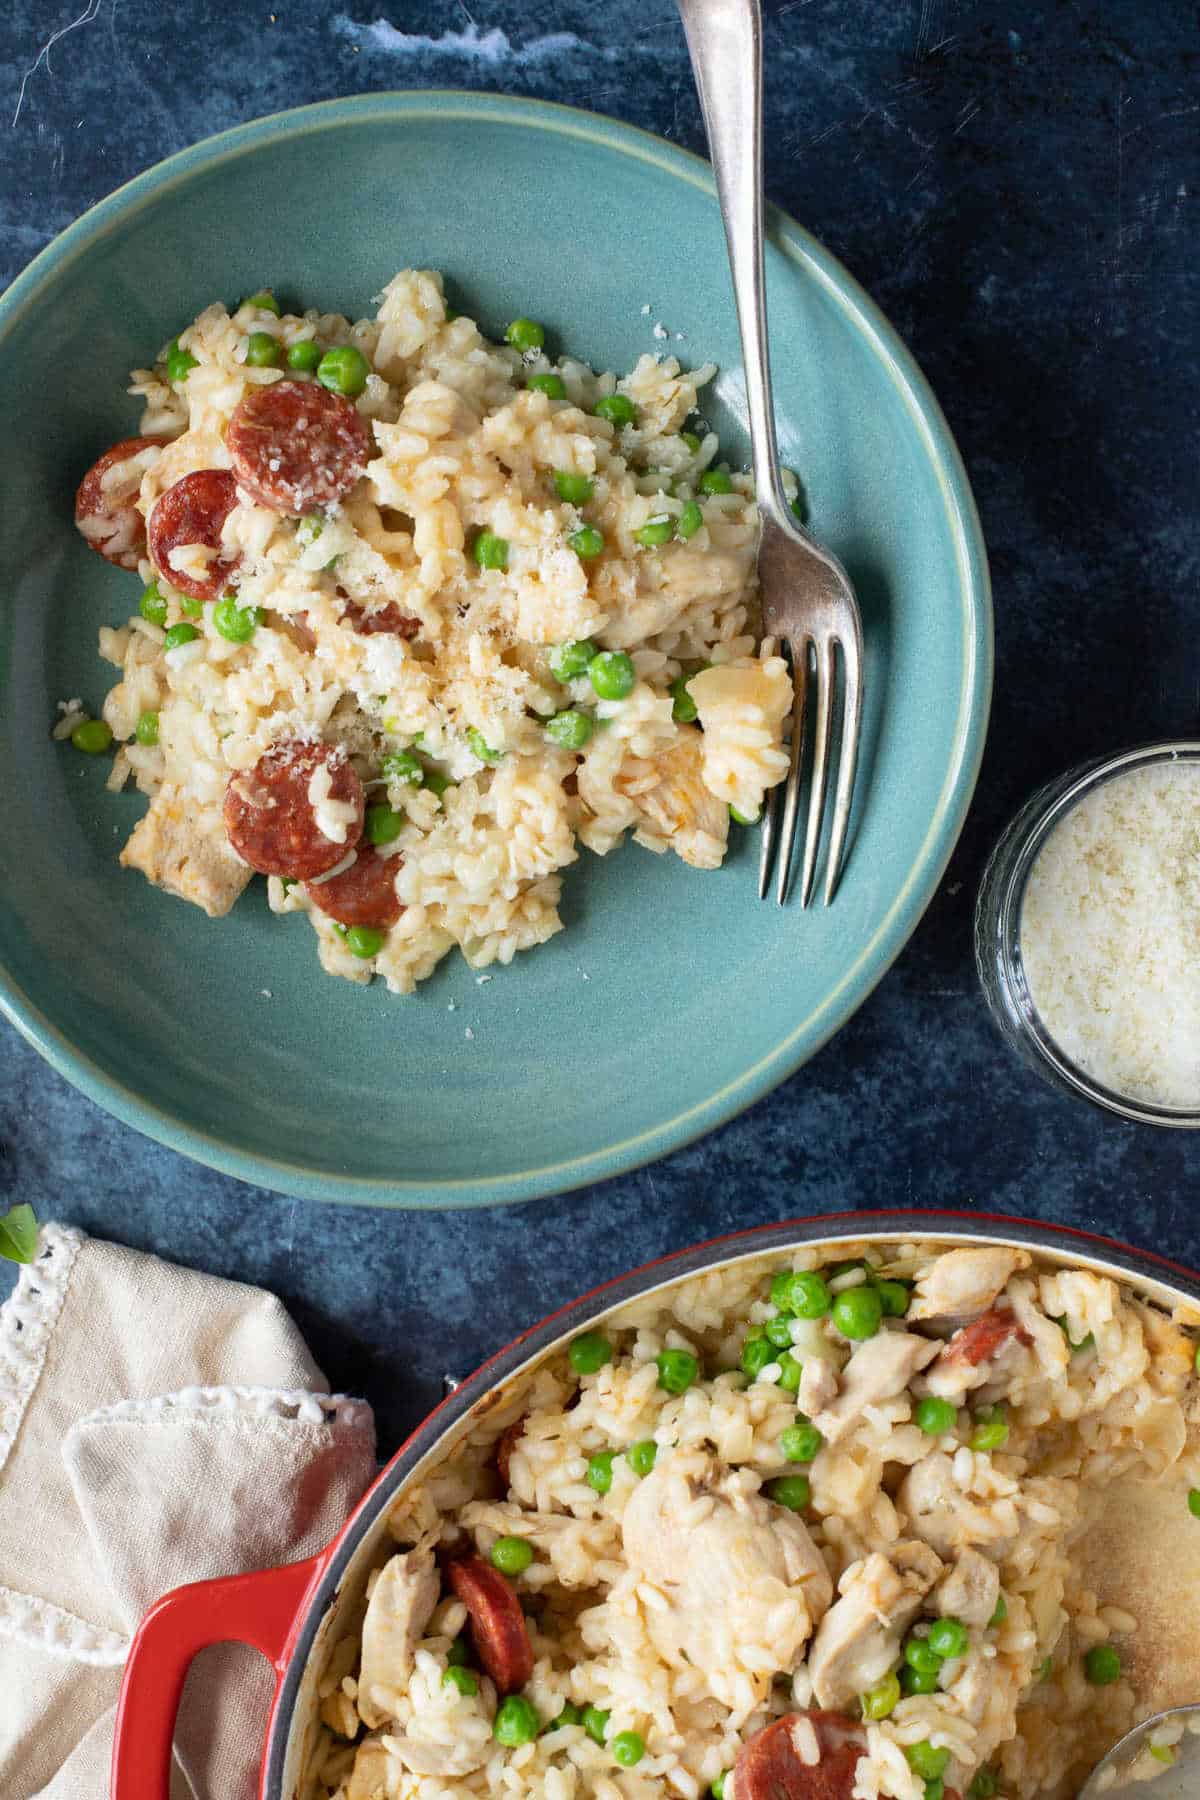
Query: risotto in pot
<point x="798" y="1532"/>
<point x="421" y="615"/>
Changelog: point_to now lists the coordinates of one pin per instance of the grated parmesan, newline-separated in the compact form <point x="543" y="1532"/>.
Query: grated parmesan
<point x="1110" y="935"/>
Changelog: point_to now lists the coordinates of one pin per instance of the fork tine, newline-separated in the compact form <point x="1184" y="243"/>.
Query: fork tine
<point x="820" y="770"/>
<point x="791" y="802"/>
<point x="848" y="762"/>
<point x="766" y="850"/>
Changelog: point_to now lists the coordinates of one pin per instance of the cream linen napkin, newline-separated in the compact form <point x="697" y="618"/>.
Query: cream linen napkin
<point x="156" y="1426"/>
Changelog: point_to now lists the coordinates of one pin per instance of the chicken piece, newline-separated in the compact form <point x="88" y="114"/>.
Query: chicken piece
<point x="674" y="807"/>
<point x="961" y="1285"/>
<point x="946" y="1516"/>
<point x="859" y="1637"/>
<point x="880" y="1368"/>
<point x="405" y="1594"/>
<point x="426" y="1756"/>
<point x="370" y="1778"/>
<point x="973" y="1687"/>
<point x="734" y="1569"/>
<point x="969" y="1591"/>
<point x="180" y="845"/>
<point x="818" y="1385"/>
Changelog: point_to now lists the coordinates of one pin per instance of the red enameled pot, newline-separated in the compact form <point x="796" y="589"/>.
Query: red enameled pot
<point x="291" y="1613"/>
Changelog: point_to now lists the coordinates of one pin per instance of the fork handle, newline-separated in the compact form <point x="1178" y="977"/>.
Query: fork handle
<point x="724" y="39"/>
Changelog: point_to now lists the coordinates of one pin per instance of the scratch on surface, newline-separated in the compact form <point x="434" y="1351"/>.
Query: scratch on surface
<point x="493" y="47"/>
<point x="91" y="11"/>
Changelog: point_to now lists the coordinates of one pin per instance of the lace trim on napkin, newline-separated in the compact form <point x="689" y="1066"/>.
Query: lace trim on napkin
<point x="52" y="1629"/>
<point x="27" y="1321"/>
<point x="298" y="1406"/>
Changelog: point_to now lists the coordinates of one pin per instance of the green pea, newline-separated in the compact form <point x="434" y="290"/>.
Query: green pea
<point x="757" y="1352"/>
<point x="263" y="351"/>
<point x="792" y="1491"/>
<point x="935" y="1417"/>
<point x="490" y="551"/>
<point x="589" y="1352"/>
<point x="717" y="1790"/>
<point x="808" y="1295"/>
<point x="344" y="370"/>
<point x="92" y="736"/>
<point x="525" y="334"/>
<point x="599" y="1471"/>
<point x="570" y="1715"/>
<point x="180" y="634"/>
<point x="1076" y="1346"/>
<point x="991" y="1429"/>
<point x="914" y="1681"/>
<point x="237" y="623"/>
<point x="595" y="1723"/>
<point x="1102" y="1665"/>
<point x="628" y="1749"/>
<point x="612" y="675"/>
<point x="571" y="730"/>
<point x="894" y="1297"/>
<point x="858" y="1312"/>
<point x="948" y="1637"/>
<point x="383" y="824"/>
<point x="984" y="1785"/>
<point x="715" y="481"/>
<point x="264" y="300"/>
<point x="305" y="356"/>
<point x="179" y="363"/>
<point x="587" y="542"/>
<point x="741" y="818"/>
<point x="569" y="660"/>
<point x="1193" y="1501"/>
<point x="364" y="941"/>
<point x="511" y="1555"/>
<point x="550" y="385"/>
<point x="781" y="1286"/>
<point x="437" y="783"/>
<point x="655" y="531"/>
<point x="189" y="606"/>
<point x="515" y="1723"/>
<point x="458" y="1655"/>
<point x="789" y="1372"/>
<point x="677" y="1370"/>
<point x="1163" y="1753"/>
<point x="926" y="1760"/>
<point x="463" y="1679"/>
<point x="691" y="441"/>
<point x="146" y="729"/>
<point x="1000" y="1612"/>
<point x="1045" y="1668"/>
<point x="920" y="1655"/>
<point x="481" y="748"/>
<point x="935" y="1789"/>
<point x="642" y="1457"/>
<point x="689" y="521"/>
<point x="882" y="1699"/>
<point x="616" y="408"/>
<point x="779" y="1332"/>
<point x="309" y="529"/>
<point x="800" y="1442"/>
<point x="403" y="766"/>
<point x="153" y="604"/>
<point x="576" y="490"/>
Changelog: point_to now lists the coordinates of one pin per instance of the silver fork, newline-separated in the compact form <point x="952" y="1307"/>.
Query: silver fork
<point x="807" y="599"/>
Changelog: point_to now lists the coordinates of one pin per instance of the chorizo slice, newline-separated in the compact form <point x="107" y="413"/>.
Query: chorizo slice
<point x="194" y="511"/>
<point x="106" y="511"/>
<point x="283" y="816"/>
<point x="374" y="621"/>
<point x="363" y="894"/>
<point x="506" y="1443"/>
<point x="498" y="1628"/>
<point x="295" y="446"/>
<point x="776" y="1763"/>
<point x="985" y="1337"/>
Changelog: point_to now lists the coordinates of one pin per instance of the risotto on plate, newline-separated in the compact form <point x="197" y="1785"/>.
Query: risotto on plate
<point x="422" y="614"/>
<point x="791" y="1531"/>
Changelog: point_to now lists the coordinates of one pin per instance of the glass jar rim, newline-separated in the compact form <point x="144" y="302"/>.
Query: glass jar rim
<point x="1008" y="875"/>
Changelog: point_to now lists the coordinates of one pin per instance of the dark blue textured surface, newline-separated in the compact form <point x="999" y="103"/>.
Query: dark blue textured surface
<point x="1017" y="187"/>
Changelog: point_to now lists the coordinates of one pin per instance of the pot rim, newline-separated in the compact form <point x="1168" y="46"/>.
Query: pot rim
<point x="1071" y="1242"/>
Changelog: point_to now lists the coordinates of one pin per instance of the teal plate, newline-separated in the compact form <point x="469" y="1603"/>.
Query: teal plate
<point x="673" y="998"/>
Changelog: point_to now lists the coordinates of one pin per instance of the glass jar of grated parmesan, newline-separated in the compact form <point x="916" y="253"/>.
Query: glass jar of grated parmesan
<point x="1087" y="933"/>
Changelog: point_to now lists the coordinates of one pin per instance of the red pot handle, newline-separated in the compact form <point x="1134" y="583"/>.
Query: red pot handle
<point x="258" y="1609"/>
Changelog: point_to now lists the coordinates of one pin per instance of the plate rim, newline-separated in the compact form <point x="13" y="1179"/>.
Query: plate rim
<point x="908" y="905"/>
